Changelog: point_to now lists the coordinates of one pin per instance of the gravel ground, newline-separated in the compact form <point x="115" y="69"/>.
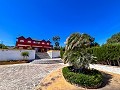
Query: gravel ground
<point x="107" y="68"/>
<point x="28" y="76"/>
<point x="24" y="76"/>
<point x="56" y="81"/>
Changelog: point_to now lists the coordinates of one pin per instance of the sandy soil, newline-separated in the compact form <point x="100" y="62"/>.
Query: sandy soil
<point x="56" y="81"/>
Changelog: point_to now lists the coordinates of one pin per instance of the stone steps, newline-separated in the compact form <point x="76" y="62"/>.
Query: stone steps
<point x="42" y="55"/>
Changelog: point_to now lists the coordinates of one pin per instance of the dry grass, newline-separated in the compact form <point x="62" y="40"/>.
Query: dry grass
<point x="13" y="62"/>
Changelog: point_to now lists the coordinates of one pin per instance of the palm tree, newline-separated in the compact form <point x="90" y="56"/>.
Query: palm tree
<point x="56" y="40"/>
<point x="75" y="51"/>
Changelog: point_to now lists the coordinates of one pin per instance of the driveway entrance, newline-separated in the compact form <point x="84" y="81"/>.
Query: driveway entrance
<point x="24" y="76"/>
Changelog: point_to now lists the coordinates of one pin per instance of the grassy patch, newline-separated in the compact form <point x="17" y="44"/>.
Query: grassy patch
<point x="89" y="79"/>
<point x="13" y="62"/>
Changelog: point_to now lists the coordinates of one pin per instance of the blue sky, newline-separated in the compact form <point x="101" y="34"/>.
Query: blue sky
<point x="43" y="19"/>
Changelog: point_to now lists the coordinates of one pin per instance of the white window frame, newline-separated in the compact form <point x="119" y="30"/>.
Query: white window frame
<point x="29" y="41"/>
<point x="21" y="40"/>
<point x="43" y="43"/>
<point x="48" y="43"/>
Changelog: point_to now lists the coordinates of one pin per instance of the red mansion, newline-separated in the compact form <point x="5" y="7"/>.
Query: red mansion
<point x="28" y="43"/>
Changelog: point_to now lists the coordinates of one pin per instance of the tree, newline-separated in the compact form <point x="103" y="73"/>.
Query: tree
<point x="62" y="50"/>
<point x="2" y="46"/>
<point x="114" y="39"/>
<point x="94" y="44"/>
<point x="75" y="51"/>
<point x="25" y="55"/>
<point x="56" y="40"/>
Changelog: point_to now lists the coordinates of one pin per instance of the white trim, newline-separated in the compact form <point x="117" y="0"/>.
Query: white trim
<point x="37" y="46"/>
<point x="22" y="45"/>
<point x="47" y="47"/>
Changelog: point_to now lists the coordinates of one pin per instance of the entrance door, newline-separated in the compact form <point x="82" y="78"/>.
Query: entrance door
<point x="42" y="50"/>
<point x="36" y="49"/>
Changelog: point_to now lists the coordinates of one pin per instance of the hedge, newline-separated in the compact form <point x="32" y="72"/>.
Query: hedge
<point x="107" y="54"/>
<point x="62" y="50"/>
<point x="92" y="80"/>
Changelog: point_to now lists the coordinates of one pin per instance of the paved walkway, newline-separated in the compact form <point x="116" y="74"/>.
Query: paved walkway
<point x="112" y="69"/>
<point x="24" y="76"/>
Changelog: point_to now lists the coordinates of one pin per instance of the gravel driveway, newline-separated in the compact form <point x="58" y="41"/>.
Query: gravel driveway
<point x="24" y="76"/>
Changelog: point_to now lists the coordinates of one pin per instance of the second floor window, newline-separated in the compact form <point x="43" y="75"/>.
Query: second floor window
<point x="29" y="41"/>
<point x="48" y="43"/>
<point x="21" y="40"/>
<point x="43" y="43"/>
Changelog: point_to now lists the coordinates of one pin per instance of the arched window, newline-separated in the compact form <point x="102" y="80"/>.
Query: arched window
<point x="29" y="41"/>
<point x="48" y="43"/>
<point x="21" y="40"/>
<point x="43" y="43"/>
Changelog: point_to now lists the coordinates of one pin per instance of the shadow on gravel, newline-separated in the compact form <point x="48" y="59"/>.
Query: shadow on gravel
<point x="30" y="60"/>
<point x="36" y="56"/>
<point x="106" y="79"/>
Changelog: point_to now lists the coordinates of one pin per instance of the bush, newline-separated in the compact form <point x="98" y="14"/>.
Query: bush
<point x="107" y="54"/>
<point x="62" y="52"/>
<point x="2" y="46"/>
<point x="92" y="80"/>
<point x="114" y="39"/>
<point x="25" y="54"/>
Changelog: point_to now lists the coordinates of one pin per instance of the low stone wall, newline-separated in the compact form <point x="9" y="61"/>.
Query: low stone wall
<point x="112" y="69"/>
<point x="54" y="53"/>
<point x="6" y="55"/>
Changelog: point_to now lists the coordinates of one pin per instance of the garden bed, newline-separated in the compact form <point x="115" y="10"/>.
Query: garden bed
<point x="87" y="78"/>
<point x="13" y="62"/>
<point x="56" y="81"/>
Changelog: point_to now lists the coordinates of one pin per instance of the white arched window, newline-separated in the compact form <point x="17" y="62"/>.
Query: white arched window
<point x="43" y="43"/>
<point x="21" y="40"/>
<point x="48" y="43"/>
<point x="29" y="41"/>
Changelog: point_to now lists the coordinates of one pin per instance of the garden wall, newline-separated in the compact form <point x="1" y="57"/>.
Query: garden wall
<point x="54" y="53"/>
<point x="6" y="55"/>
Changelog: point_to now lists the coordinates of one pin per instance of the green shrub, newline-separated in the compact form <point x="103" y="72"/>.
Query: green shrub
<point x="62" y="51"/>
<point x="107" y="54"/>
<point x="92" y="80"/>
<point x="25" y="54"/>
<point x="2" y="46"/>
<point x="115" y="38"/>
